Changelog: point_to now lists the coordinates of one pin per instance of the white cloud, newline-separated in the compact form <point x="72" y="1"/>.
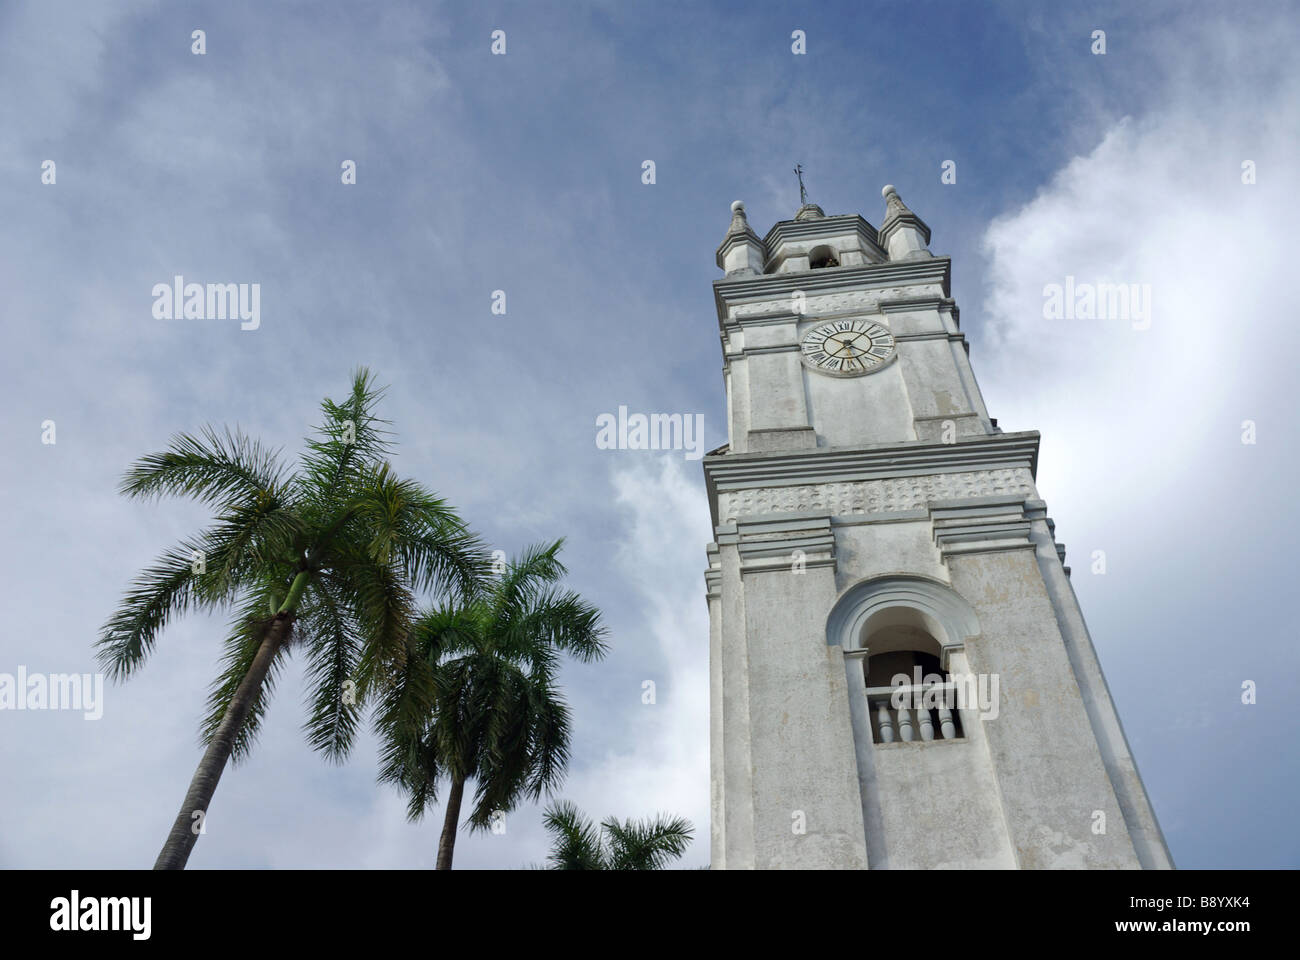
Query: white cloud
<point x="662" y="761"/>
<point x="1158" y="202"/>
<point x="1141" y="453"/>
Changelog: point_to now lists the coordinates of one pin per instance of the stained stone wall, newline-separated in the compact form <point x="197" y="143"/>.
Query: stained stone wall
<point x="875" y="496"/>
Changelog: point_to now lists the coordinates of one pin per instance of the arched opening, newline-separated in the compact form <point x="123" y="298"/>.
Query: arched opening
<point x="822" y="257"/>
<point x="910" y="694"/>
<point x="903" y="627"/>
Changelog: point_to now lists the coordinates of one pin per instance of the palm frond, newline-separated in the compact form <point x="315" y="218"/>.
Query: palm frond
<point x="537" y="566"/>
<point x="349" y="439"/>
<point x="244" y="544"/>
<point x="646" y="844"/>
<point x="160" y="592"/>
<point x="383" y="608"/>
<point x="215" y="468"/>
<point x="405" y="523"/>
<point x="559" y="621"/>
<point x="334" y="645"/>
<point x="550" y="742"/>
<point x="576" y="842"/>
<point x="504" y="757"/>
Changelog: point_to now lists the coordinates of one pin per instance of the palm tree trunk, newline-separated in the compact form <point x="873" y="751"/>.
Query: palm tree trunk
<point x="185" y="831"/>
<point x="447" y="843"/>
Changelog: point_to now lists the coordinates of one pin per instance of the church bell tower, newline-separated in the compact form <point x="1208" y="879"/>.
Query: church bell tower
<point x="900" y="674"/>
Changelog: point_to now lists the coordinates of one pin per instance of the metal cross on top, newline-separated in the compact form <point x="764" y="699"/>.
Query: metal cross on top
<point x="803" y="194"/>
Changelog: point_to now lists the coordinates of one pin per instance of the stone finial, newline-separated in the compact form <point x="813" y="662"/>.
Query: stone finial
<point x="739" y="223"/>
<point x="903" y="233"/>
<point x="741" y="252"/>
<point x="893" y="202"/>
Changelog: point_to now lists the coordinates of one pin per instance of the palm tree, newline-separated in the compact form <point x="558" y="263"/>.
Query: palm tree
<point x="635" y="845"/>
<point x="326" y="559"/>
<point x="477" y="699"/>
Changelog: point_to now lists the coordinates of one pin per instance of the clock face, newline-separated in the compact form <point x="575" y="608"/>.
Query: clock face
<point x="847" y="348"/>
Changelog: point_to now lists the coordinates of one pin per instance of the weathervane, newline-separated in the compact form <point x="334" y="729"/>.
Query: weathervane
<point x="803" y="194"/>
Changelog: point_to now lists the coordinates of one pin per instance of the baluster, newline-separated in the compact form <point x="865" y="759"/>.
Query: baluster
<point x="926" y="724"/>
<point x="886" y="722"/>
<point x="905" y="731"/>
<point x="946" y="728"/>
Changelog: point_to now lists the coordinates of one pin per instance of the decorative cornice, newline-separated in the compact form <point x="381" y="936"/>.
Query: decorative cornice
<point x="774" y="286"/>
<point x="1037" y="510"/>
<point x="713" y="575"/>
<point x="827" y="465"/>
<point x="771" y="348"/>
<point x="877" y="498"/>
<point x="896" y="221"/>
<point x="712" y="584"/>
<point x="881" y="306"/>
<point x="821" y="228"/>
<point x="785" y="544"/>
<point x="915" y="304"/>
<point x="982" y="528"/>
<point x="931" y="335"/>
<point x="911" y="458"/>
<point x="764" y="320"/>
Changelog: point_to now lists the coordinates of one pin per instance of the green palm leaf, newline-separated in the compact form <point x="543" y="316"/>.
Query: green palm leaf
<point x="576" y="844"/>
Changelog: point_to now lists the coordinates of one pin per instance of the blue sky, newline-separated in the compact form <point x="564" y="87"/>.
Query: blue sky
<point x="522" y="173"/>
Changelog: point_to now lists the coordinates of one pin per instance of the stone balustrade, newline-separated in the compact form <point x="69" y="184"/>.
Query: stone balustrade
<point x="914" y="713"/>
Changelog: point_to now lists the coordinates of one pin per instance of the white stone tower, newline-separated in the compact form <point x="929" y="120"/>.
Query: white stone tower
<point x="900" y="673"/>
